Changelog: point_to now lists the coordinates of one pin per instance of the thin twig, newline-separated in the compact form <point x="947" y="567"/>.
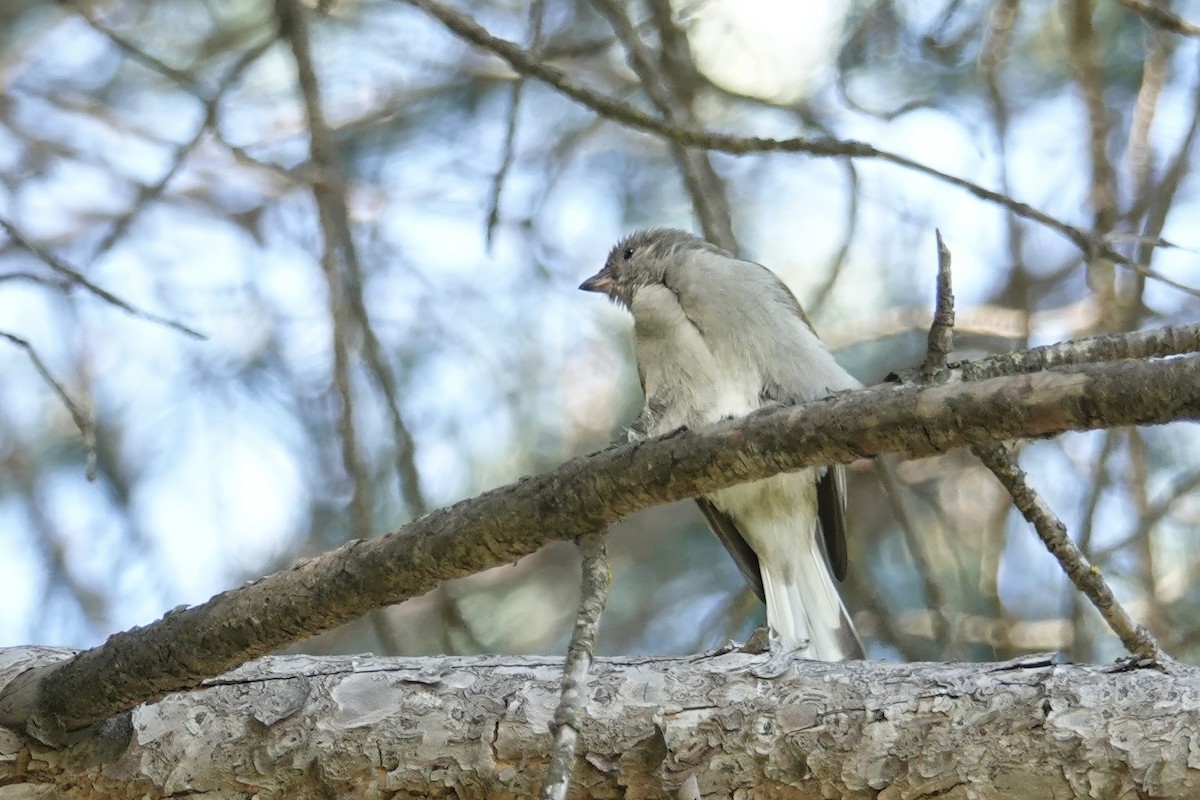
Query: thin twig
<point x="343" y="275"/>
<point x="1183" y="487"/>
<point x="212" y="104"/>
<point x="933" y="370"/>
<point x="1137" y="479"/>
<point x="1086" y="577"/>
<point x="995" y="55"/>
<point x="42" y="280"/>
<point x="132" y="51"/>
<point x="81" y="418"/>
<point x="1139" y="158"/>
<point x="626" y="114"/>
<point x="76" y="277"/>
<point x="1160" y="199"/>
<point x="568" y="717"/>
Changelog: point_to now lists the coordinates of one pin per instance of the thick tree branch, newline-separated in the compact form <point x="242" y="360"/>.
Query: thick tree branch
<point x="500" y="526"/>
<point x="723" y="724"/>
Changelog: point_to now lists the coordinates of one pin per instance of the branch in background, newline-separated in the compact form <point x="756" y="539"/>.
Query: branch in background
<point x="182" y="79"/>
<point x="1081" y="644"/>
<point x="212" y="104"/>
<point x="81" y="418"/>
<point x="337" y="254"/>
<point x="1083" y="54"/>
<point x="345" y="277"/>
<point x="77" y="278"/>
<point x="671" y="98"/>
<point x="536" y="14"/>
<point x="605" y="106"/>
<point x="1160" y="17"/>
<point x="191" y="644"/>
<point x="935" y="598"/>
<point x="1160" y="343"/>
<point x="573" y="695"/>
<point x="1158" y="200"/>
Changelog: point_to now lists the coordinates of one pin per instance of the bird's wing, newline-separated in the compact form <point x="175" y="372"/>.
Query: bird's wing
<point x="831" y="511"/>
<point x="727" y="531"/>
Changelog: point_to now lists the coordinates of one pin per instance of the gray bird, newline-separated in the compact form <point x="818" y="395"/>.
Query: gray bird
<point x="718" y="337"/>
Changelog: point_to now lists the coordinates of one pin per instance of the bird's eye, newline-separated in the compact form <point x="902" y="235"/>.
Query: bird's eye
<point x="628" y="254"/>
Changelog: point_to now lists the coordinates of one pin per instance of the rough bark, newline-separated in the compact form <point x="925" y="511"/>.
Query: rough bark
<point x="191" y="644"/>
<point x="721" y="724"/>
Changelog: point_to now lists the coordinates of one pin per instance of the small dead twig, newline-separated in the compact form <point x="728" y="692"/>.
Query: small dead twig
<point x="941" y="332"/>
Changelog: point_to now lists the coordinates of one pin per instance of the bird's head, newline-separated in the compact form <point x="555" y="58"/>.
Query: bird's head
<point x="642" y="259"/>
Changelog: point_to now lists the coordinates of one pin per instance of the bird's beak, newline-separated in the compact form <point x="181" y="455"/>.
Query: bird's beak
<point x="601" y="282"/>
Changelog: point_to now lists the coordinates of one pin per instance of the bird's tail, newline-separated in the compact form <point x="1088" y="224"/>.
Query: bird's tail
<point x="803" y="604"/>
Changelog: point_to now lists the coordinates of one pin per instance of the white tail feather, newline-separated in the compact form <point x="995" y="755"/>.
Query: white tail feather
<point x="803" y="603"/>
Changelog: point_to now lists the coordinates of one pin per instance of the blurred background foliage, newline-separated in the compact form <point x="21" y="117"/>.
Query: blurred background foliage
<point x="160" y="150"/>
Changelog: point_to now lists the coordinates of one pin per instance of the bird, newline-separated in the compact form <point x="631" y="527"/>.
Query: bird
<point x="717" y="337"/>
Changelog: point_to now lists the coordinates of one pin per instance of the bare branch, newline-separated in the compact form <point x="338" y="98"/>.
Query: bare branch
<point x="345" y="277"/>
<point x="133" y="52"/>
<point x="1083" y="52"/>
<point x="935" y="598"/>
<point x="1098" y="484"/>
<point x="670" y="98"/>
<point x="1160" y="343"/>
